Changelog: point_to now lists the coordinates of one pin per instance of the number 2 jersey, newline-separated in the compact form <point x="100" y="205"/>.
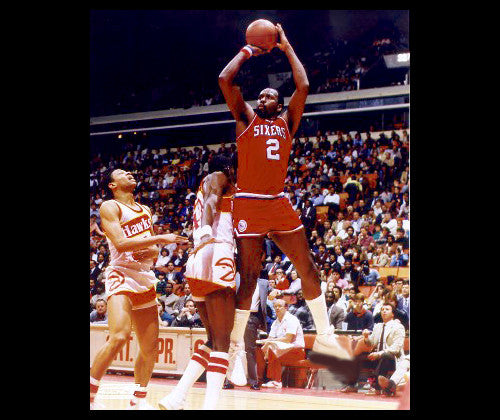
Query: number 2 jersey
<point x="263" y="153"/>
<point x="260" y="205"/>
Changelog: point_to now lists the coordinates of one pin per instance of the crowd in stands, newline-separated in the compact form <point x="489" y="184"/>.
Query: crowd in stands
<point x="351" y="191"/>
<point x="338" y="66"/>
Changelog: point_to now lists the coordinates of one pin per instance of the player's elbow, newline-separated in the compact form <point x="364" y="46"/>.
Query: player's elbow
<point x="224" y="79"/>
<point x="122" y="246"/>
<point x="303" y="87"/>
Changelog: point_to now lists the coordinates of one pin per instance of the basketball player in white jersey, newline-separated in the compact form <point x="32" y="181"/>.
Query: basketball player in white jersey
<point x="211" y="271"/>
<point x="129" y="285"/>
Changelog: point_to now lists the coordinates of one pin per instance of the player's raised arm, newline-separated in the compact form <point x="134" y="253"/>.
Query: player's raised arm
<point x="213" y="197"/>
<point x="212" y="194"/>
<point x="298" y="100"/>
<point x="241" y="111"/>
<point x="111" y="225"/>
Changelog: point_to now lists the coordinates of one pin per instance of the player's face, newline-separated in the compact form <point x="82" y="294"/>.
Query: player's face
<point x="123" y="179"/>
<point x="267" y="103"/>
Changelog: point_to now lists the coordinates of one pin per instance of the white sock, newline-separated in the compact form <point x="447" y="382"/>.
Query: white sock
<point x="240" y="323"/>
<point x="139" y="394"/>
<point x="194" y="369"/>
<point x="216" y="373"/>
<point x="318" y="309"/>
<point x="94" y="387"/>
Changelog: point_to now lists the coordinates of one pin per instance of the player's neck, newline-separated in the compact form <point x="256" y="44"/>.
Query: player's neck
<point x="125" y="197"/>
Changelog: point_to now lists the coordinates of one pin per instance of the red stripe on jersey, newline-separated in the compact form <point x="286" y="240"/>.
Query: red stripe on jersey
<point x="140" y="394"/>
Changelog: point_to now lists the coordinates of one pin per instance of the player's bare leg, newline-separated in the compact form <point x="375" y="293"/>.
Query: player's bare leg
<point x="202" y="311"/>
<point x="249" y="255"/>
<point x="294" y="245"/>
<point x="120" y="327"/>
<point x="146" y="328"/>
<point x="249" y="258"/>
<point x="220" y="309"/>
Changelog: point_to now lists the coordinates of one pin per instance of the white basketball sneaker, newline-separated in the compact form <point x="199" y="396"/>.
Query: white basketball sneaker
<point x="170" y="403"/>
<point x="333" y="345"/>
<point x="236" y="370"/>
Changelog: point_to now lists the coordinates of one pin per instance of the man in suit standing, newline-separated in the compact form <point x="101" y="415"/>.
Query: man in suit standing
<point x="404" y="299"/>
<point x="308" y="216"/>
<point x="272" y="267"/>
<point x="336" y="314"/>
<point x="94" y="270"/>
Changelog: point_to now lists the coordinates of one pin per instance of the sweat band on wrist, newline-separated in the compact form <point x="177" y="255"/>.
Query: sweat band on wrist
<point x="247" y="51"/>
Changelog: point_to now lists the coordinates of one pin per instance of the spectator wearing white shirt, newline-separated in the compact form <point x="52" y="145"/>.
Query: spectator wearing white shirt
<point x="163" y="258"/>
<point x="284" y="345"/>
<point x="356" y="222"/>
<point x="332" y="198"/>
<point x="390" y="223"/>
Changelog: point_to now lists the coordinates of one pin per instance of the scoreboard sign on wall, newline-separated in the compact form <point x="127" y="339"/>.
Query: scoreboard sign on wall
<point x="175" y="348"/>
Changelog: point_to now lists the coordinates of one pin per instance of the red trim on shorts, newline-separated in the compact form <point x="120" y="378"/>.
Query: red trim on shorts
<point x="139" y="298"/>
<point x="140" y="394"/>
<point x="201" y="288"/>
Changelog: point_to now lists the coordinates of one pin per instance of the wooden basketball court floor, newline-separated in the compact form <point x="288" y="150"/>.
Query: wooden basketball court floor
<point x="115" y="391"/>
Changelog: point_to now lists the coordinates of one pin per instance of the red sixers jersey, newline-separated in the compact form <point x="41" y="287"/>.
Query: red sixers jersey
<point x="263" y="153"/>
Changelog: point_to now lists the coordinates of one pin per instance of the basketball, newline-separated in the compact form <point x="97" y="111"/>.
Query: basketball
<point x="262" y="33"/>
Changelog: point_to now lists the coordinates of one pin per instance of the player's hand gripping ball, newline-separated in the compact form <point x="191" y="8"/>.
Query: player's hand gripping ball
<point x="262" y="33"/>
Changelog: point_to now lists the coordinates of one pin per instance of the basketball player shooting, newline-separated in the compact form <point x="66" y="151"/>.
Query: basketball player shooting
<point x="129" y="284"/>
<point x="210" y="271"/>
<point x="264" y="138"/>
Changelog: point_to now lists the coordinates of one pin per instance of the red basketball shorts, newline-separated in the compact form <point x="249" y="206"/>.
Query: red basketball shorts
<point x="254" y="216"/>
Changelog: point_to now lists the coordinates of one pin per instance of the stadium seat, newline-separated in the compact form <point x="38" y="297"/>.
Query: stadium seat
<point x="321" y="213"/>
<point x="301" y="374"/>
